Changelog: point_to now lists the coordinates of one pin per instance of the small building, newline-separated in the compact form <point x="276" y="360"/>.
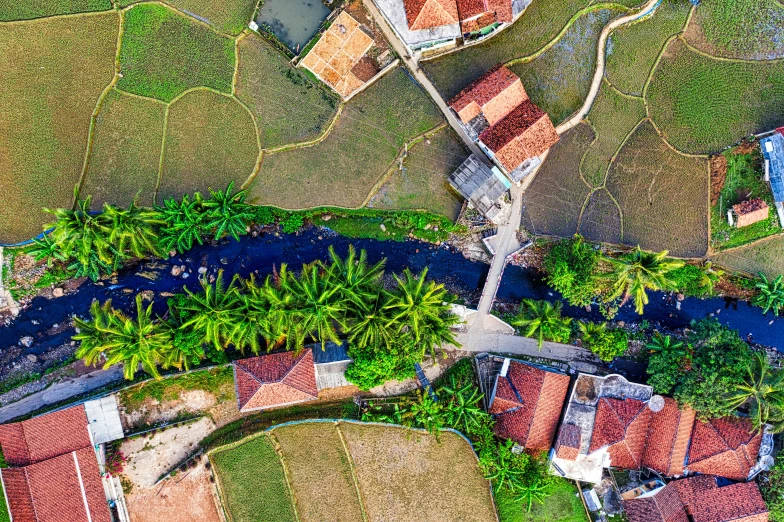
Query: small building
<point x="748" y="212"/>
<point x="483" y="187"/>
<point x="699" y="499"/>
<point x="726" y="447"/>
<point x="773" y="152"/>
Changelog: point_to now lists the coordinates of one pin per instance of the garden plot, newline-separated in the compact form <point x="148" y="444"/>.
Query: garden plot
<point x="613" y="117"/>
<point x="320" y="472"/>
<point x="29" y="9"/>
<point x="601" y="219"/>
<point x="632" y="49"/>
<point x="342" y="169"/>
<point x="553" y="202"/>
<point x="663" y="195"/>
<point x="210" y="141"/>
<point x="126" y="151"/>
<point x="163" y="53"/>
<point x="423" y="182"/>
<point x="289" y="106"/>
<point x="558" y="81"/>
<point x="539" y="24"/>
<point x="761" y="257"/>
<point x="702" y="104"/>
<point x="52" y="74"/>
<point x="747" y="29"/>
<point x="227" y="16"/>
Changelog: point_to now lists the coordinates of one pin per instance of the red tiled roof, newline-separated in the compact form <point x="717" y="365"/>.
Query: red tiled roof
<point x="485" y="88"/>
<point x="622" y="426"/>
<point x="727" y="447"/>
<point x="44" y="437"/>
<point x="664" y="506"/>
<point x="426" y="14"/>
<point x="737" y="502"/>
<point x="512" y="126"/>
<point x="780" y="130"/>
<point x="475" y="24"/>
<point x="502" y="9"/>
<point x="668" y="438"/>
<point x="275" y="379"/>
<point x="469" y="8"/>
<point x="569" y="440"/>
<point x="527" y="405"/>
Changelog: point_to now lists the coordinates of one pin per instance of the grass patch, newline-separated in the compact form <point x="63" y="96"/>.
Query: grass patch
<point x="423" y="183"/>
<point x="663" y="195"/>
<point x="748" y="29"/>
<point x="539" y="24"/>
<point x="761" y="257"/>
<point x="163" y="53"/>
<point x="558" y="81"/>
<point x="53" y="72"/>
<point x="552" y="204"/>
<point x="344" y="168"/>
<point x="126" y="151"/>
<point x="744" y="173"/>
<point x="210" y="141"/>
<point x="561" y="505"/>
<point x="702" y="104"/>
<point x="632" y="49"/>
<point x="227" y="16"/>
<point x="613" y="116"/>
<point x="289" y="106"/>
<point x="217" y="381"/>
<point x="29" y="9"/>
<point x="5" y="516"/>
<point x="320" y="472"/>
<point x="253" y="483"/>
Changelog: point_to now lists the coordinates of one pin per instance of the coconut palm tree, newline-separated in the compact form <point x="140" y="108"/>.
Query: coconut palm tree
<point x="227" y="213"/>
<point x="321" y="306"/>
<point x="285" y="327"/>
<point x="214" y="312"/>
<point x="253" y="318"/>
<point x="184" y="223"/>
<point x="462" y="409"/>
<point x="543" y="321"/>
<point x="763" y="390"/>
<point x="132" y="230"/>
<point x="639" y="271"/>
<point x="358" y="281"/>
<point x="591" y="331"/>
<point x="373" y="328"/>
<point x="119" y="339"/>
<point x="771" y="294"/>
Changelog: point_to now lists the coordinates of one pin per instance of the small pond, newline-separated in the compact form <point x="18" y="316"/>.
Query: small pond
<point x="294" y="22"/>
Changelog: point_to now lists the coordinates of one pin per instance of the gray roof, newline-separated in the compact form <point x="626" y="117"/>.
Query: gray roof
<point x="481" y="185"/>
<point x="104" y="421"/>
<point x="773" y="152"/>
<point x="332" y="352"/>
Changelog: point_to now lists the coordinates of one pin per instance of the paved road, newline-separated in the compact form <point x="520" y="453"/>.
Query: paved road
<point x="513" y="344"/>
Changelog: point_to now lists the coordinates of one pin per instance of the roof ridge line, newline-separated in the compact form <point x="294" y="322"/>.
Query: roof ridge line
<point x="292" y="369"/>
<point x="30" y="490"/>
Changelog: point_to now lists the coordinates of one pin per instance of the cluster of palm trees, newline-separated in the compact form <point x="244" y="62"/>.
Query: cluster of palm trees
<point x="324" y="302"/>
<point x="761" y="393"/>
<point x="91" y="244"/>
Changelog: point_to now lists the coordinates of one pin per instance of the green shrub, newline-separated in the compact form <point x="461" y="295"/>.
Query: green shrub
<point x="571" y="267"/>
<point x="292" y="223"/>
<point x="772" y="489"/>
<point x="610" y="344"/>
<point x="369" y="370"/>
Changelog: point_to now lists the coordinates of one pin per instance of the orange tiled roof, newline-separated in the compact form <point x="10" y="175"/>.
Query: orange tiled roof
<point x="569" y="440"/>
<point x="475" y="24"/>
<point x="275" y="379"/>
<point x="622" y="426"/>
<point x="483" y="91"/>
<point x="426" y="14"/>
<point x="470" y="8"/>
<point x="664" y="506"/>
<point x="727" y="447"/>
<point x="502" y="9"/>
<point x="45" y="437"/>
<point x="668" y="438"/>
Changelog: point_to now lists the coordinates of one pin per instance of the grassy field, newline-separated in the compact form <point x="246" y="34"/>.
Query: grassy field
<point x="561" y="505"/>
<point x="613" y="116"/>
<point x="702" y="104"/>
<point x="126" y="151"/>
<point x="414" y="477"/>
<point x="601" y="219"/>
<point x="632" y="49"/>
<point x="423" y="184"/>
<point x="744" y="174"/>
<point x="227" y="16"/>
<point x="289" y="106"/>
<point x="558" y="81"/>
<point x="252" y="481"/>
<point x="218" y="381"/>
<point x="29" y="9"/>
<point x="552" y="204"/>
<point x="749" y="29"/>
<point x="210" y="141"/>
<point x="539" y="24"/>
<point x="52" y="73"/>
<point x="163" y="53"/>
<point x="663" y="195"/>
<point x="342" y="169"/>
<point x="760" y="257"/>
<point x="320" y="472"/>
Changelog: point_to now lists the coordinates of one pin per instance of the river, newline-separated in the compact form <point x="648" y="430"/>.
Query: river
<point x="445" y="265"/>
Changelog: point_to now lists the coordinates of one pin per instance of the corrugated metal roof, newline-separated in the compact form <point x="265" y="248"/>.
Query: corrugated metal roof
<point x="479" y="184"/>
<point x="332" y="352"/>
<point x="103" y="419"/>
<point x="773" y="152"/>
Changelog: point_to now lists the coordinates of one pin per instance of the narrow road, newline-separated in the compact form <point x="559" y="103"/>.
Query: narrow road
<point x="600" y="63"/>
<point x="514" y="344"/>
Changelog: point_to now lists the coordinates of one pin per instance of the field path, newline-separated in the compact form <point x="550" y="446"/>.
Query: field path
<point x="596" y="84"/>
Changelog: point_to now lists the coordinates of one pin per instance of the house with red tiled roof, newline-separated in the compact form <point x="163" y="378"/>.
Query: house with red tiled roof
<point x="668" y="439"/>
<point x="526" y="403"/>
<point x="748" y="212"/>
<point x="699" y="499"/>
<point x="426" y="14"/>
<point x="727" y="447"/>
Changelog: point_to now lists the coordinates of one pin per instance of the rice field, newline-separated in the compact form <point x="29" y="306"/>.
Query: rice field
<point x="422" y="184"/>
<point x="210" y="141"/>
<point x="29" y="9"/>
<point x="601" y="219"/>
<point x="289" y="106"/>
<point x="126" y="150"/>
<point x="632" y="49"/>
<point x="747" y="29"/>
<point x="52" y="74"/>
<point x="227" y="16"/>
<point x="702" y="104"/>
<point x="163" y="53"/>
<point x="342" y="169"/>
<point x="761" y="257"/>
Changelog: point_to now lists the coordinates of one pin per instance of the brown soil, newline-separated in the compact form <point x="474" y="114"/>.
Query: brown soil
<point x="746" y="147"/>
<point x="727" y="288"/>
<point x="718" y="173"/>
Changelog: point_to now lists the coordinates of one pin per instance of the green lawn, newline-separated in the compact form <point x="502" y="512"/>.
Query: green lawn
<point x="561" y="505"/>
<point x="228" y="16"/>
<point x="28" y="9"/>
<point x="163" y="53"/>
<point x="703" y="105"/>
<point x="744" y="173"/>
<point x="763" y="256"/>
<point x="252" y="482"/>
